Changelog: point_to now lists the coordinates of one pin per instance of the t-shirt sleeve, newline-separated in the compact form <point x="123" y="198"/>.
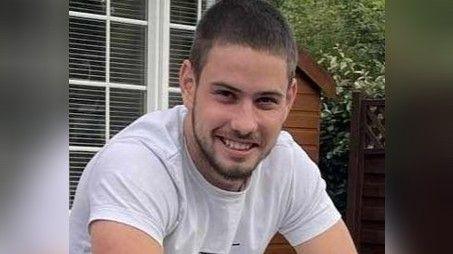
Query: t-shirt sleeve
<point x="130" y="185"/>
<point x="310" y="211"/>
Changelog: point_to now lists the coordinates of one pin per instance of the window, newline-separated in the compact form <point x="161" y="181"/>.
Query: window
<point x="184" y="15"/>
<point x="124" y="58"/>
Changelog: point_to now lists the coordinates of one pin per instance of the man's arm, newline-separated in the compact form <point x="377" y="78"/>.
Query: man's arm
<point x="109" y="237"/>
<point x="335" y="240"/>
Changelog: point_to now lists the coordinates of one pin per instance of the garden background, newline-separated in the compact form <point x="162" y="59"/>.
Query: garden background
<point x="347" y="37"/>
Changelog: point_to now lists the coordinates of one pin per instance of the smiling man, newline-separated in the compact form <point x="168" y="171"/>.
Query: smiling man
<point x="236" y="111"/>
<point x="216" y="175"/>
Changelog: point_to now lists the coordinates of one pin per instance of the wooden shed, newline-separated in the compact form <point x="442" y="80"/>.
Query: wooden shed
<point x="304" y="120"/>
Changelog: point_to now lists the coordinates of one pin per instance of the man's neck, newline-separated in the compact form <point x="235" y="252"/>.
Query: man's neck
<point x="202" y="164"/>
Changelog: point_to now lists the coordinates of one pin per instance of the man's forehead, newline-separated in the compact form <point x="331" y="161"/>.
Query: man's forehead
<point x="223" y="58"/>
<point x="221" y="46"/>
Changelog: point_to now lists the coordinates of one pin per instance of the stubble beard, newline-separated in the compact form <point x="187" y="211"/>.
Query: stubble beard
<point x="229" y="173"/>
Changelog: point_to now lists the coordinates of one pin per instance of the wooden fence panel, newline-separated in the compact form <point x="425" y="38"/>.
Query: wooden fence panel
<point x="365" y="215"/>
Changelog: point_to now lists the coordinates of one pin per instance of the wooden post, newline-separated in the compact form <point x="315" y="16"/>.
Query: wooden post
<point x="354" y="171"/>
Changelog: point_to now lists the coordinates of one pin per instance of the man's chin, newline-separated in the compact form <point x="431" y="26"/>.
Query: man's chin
<point x="236" y="175"/>
<point x="235" y="171"/>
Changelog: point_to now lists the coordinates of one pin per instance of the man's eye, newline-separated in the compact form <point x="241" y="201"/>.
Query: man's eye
<point x="267" y="103"/>
<point x="267" y="100"/>
<point x="224" y="95"/>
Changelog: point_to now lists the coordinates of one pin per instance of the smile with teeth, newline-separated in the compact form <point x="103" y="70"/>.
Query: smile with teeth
<point x="236" y="145"/>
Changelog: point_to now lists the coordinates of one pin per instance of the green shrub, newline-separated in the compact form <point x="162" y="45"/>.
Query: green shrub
<point x="348" y="38"/>
<point x="336" y="115"/>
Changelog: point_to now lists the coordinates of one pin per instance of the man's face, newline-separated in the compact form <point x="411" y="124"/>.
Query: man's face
<point x="238" y="107"/>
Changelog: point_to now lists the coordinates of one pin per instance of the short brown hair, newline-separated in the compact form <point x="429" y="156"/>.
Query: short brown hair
<point x="253" y="23"/>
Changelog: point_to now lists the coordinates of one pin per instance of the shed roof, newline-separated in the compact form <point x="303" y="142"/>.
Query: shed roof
<point x="319" y="76"/>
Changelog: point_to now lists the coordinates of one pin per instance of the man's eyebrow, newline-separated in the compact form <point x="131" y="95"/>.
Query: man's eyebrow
<point x="276" y="93"/>
<point x="227" y="86"/>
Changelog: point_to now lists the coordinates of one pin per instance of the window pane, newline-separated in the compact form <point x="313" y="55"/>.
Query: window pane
<point x="86" y="49"/>
<point x="77" y="163"/>
<point x="86" y="115"/>
<point x="180" y="44"/>
<point x="183" y="12"/>
<point x="125" y="107"/>
<point x="128" y="54"/>
<point x="174" y="99"/>
<point x="133" y="9"/>
<point x="89" y="6"/>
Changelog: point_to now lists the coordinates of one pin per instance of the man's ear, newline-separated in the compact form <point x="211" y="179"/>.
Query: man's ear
<point x="187" y="83"/>
<point x="291" y="95"/>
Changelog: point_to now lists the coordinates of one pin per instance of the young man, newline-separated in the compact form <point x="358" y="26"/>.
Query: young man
<point x="216" y="175"/>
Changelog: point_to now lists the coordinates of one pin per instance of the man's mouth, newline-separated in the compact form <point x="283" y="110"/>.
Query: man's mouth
<point x="237" y="145"/>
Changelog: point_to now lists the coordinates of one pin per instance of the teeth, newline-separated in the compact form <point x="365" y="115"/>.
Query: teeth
<point x="236" y="145"/>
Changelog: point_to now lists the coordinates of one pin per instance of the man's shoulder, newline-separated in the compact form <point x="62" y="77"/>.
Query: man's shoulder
<point x="145" y="149"/>
<point x="158" y="131"/>
<point x="285" y="139"/>
<point x="128" y="158"/>
<point x="286" y="148"/>
<point x="288" y="159"/>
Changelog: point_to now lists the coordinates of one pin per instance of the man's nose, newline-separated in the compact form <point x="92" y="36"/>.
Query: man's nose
<point x="244" y="120"/>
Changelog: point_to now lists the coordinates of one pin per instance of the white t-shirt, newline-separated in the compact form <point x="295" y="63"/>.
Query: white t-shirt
<point x="145" y="178"/>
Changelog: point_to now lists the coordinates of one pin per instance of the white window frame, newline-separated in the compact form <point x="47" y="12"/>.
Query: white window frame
<point x="166" y="58"/>
<point x="158" y="58"/>
<point x="157" y="97"/>
<point x="153" y="86"/>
